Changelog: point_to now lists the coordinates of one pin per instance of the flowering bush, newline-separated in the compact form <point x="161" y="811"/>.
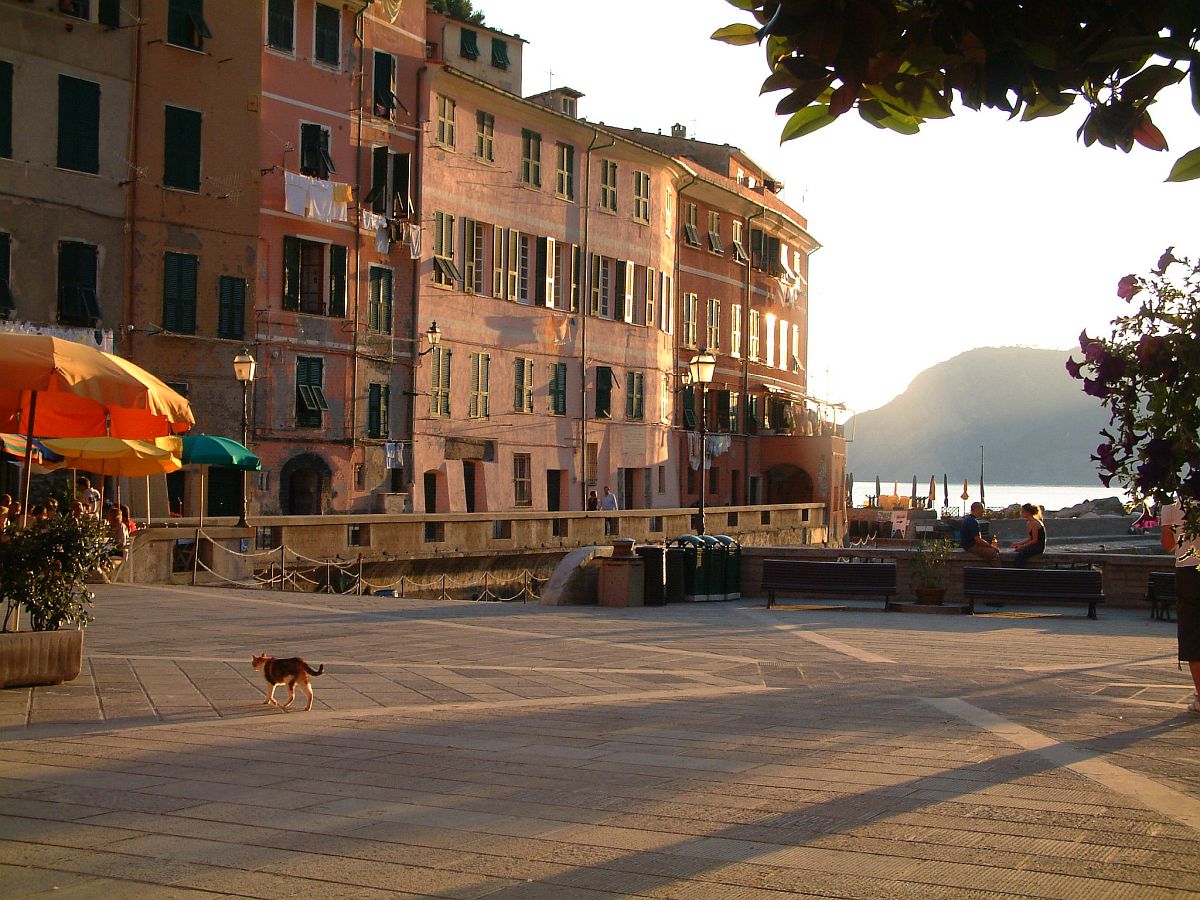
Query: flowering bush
<point x="1148" y="376"/>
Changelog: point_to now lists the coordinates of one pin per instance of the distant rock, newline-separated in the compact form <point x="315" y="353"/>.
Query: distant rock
<point x="1090" y="509"/>
<point x="1033" y="418"/>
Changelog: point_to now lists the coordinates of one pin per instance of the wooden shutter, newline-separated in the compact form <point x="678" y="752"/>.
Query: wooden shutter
<point x="170" y="311"/>
<point x="291" y="272"/>
<point x="630" y="405"/>
<point x="604" y="381"/>
<point x="380" y="195"/>
<point x="470" y="261"/>
<point x="514" y="263"/>
<point x="280" y="14"/>
<point x="689" y="407"/>
<point x="6" y="105"/>
<point x="231" y="301"/>
<point x="188" y="271"/>
<point x="626" y="268"/>
<point x="181" y="148"/>
<point x="476" y="366"/>
<point x="519" y="384"/>
<point x="545" y="271"/>
<point x="78" y="124"/>
<point x="498" y="246"/>
<point x="337" y="280"/>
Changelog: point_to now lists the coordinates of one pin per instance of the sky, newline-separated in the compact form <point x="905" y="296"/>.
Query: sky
<point x="977" y="232"/>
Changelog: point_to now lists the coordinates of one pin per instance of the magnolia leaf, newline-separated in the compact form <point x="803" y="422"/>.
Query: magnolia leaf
<point x="778" y="81"/>
<point x="1187" y="167"/>
<point x="882" y="116"/>
<point x="806" y="121"/>
<point x="1150" y="81"/>
<point x="802" y="95"/>
<point x="739" y="35"/>
<point x="1122" y="49"/>
<point x="912" y="95"/>
<point x="1045" y="106"/>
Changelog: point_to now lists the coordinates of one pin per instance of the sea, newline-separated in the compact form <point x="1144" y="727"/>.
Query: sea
<point x="995" y="496"/>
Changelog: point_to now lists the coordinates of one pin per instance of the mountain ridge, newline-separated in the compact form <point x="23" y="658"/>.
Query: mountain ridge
<point x="1033" y="419"/>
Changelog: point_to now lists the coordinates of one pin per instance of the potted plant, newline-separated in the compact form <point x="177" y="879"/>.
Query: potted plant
<point x="927" y="570"/>
<point x="43" y="571"/>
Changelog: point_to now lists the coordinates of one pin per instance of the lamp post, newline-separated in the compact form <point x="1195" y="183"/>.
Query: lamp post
<point x="701" y="368"/>
<point x="243" y="371"/>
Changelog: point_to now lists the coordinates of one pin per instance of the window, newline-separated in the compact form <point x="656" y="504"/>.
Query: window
<point x="604" y="386"/>
<point x="601" y="300"/>
<point x="712" y="325"/>
<point x="310" y="395"/>
<point x="691" y="232"/>
<point x="390" y="193"/>
<point x="753" y="413"/>
<point x="231" y="307"/>
<point x="185" y="24"/>
<point x="569" y="107"/>
<point x="499" y="53"/>
<point x="468" y="44"/>
<point x="445" y="120"/>
<point x="666" y="301"/>
<point x="281" y="25"/>
<point x="739" y="246"/>
<point x="735" y="329"/>
<point x="499" y="246"/>
<point x="181" y="149"/>
<point x="78" y="124"/>
<point x="179" y="292"/>
<point x="378" y="398"/>
<point x="522" y="479"/>
<point x="315" y="159"/>
<point x="754" y="329"/>
<point x="481" y="367"/>
<point x="664" y="398"/>
<point x="608" y="185"/>
<point x="523" y="385"/>
<point x="797" y="366"/>
<point x="305" y="288"/>
<point x="549" y="259"/>
<point x="6" y="107"/>
<point x="591" y="464"/>
<point x="383" y="85"/>
<point x="714" y="232"/>
<point x="558" y="389"/>
<point x="327" y="35"/>
<point x="531" y="158"/>
<point x="635" y="395"/>
<point x="7" y="305"/>
<point x="689" y="320"/>
<point x="564" y="165"/>
<point x="731" y="420"/>
<point x="485" y="136"/>
<point x="379" y="303"/>
<point x="668" y="211"/>
<point x="783" y="344"/>
<point x="650" y="298"/>
<point x="439" y="382"/>
<point x="444" y="270"/>
<point x="624" y="292"/>
<point x="76" y="8"/>
<point x="77" y="301"/>
<point x="641" y="196"/>
<point x="474" y="244"/>
<point x="770" y="359"/>
<point x="689" y="409"/>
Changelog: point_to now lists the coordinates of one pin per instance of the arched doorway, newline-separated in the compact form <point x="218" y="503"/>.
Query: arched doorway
<point x="788" y="484"/>
<point x="304" y="485"/>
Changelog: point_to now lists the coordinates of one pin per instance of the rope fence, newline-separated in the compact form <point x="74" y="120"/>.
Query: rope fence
<point x="288" y="570"/>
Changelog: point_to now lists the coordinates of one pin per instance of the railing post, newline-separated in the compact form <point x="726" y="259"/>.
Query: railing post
<point x="282" y="565"/>
<point x="443" y="586"/>
<point x="486" y="590"/>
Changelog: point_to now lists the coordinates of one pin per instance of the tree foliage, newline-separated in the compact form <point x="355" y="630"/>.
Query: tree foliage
<point x="903" y="62"/>
<point x="1148" y="376"/>
<point x="462" y="10"/>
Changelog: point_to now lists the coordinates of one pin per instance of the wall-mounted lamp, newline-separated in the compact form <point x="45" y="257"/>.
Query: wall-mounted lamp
<point x="434" y="337"/>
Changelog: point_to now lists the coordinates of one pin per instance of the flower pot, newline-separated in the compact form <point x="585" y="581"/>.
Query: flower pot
<point x="931" y="596"/>
<point x="29" y="658"/>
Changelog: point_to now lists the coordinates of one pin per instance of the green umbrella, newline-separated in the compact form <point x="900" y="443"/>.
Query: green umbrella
<point x="210" y="450"/>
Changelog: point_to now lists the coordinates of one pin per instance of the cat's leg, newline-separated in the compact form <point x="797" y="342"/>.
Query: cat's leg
<point x="308" y="687"/>
<point x="270" y="701"/>
<point x="291" y="693"/>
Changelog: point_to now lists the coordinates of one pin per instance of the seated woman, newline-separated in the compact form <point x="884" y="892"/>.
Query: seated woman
<point x="1035" y="541"/>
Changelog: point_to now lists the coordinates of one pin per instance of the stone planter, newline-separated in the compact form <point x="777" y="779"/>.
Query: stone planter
<point x="29" y="658"/>
<point x="930" y="596"/>
<point x="623" y="546"/>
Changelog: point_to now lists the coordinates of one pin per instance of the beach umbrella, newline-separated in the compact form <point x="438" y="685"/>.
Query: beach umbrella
<point x="912" y="498"/>
<point x="878" y="490"/>
<point x="211" y="450"/>
<point x="945" y="489"/>
<point x="932" y="491"/>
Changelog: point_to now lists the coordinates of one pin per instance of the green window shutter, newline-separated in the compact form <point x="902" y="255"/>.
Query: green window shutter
<point x="231" y="315"/>
<point x="630" y="405"/>
<point x="78" y="125"/>
<point x="328" y="35"/>
<point x="179" y="292"/>
<point x="185" y="24"/>
<point x="337" y="280"/>
<point x="385" y="302"/>
<point x="373" y="409"/>
<point x="6" y="108"/>
<point x="383" y="94"/>
<point x="170" y="313"/>
<point x="723" y="409"/>
<point x="181" y="148"/>
<point x="109" y="14"/>
<point x="291" y="273"/>
<point x="558" y="388"/>
<point x="519" y="384"/>
<point x="473" y="408"/>
<point x="280" y="19"/>
<point x="375" y="281"/>
<point x="500" y="53"/>
<point x="468" y="45"/>
<point x="689" y="407"/>
<point x="445" y="381"/>
<point x="604" y="378"/>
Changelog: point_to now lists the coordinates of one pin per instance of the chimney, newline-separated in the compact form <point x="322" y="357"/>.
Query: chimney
<point x="678" y="131"/>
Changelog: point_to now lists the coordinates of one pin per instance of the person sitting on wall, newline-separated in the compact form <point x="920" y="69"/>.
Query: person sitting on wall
<point x="1035" y="541"/>
<point x="971" y="539"/>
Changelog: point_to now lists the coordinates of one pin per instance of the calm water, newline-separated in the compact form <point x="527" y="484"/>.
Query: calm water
<point x="1051" y="496"/>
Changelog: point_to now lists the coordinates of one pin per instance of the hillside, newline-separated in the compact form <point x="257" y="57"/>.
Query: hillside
<point x="1037" y="425"/>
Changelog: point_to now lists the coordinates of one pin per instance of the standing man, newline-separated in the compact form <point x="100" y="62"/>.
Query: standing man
<point x="608" y="503"/>
<point x="972" y="541"/>
<point x="1187" y="592"/>
<point x="87" y="495"/>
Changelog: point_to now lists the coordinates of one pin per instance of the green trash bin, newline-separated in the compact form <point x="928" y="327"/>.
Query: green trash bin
<point x="655" y="583"/>
<point x="712" y="569"/>
<point x="733" y="567"/>
<point x="685" y="558"/>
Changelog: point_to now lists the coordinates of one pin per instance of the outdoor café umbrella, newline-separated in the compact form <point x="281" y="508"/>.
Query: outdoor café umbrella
<point x="945" y="489"/>
<point x="112" y="456"/>
<point x="211" y="450"/>
<point x="932" y="491"/>
<point x="966" y="493"/>
<point x="913" y="496"/>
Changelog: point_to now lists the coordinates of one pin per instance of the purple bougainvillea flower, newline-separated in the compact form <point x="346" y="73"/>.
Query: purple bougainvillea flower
<point x="1127" y="287"/>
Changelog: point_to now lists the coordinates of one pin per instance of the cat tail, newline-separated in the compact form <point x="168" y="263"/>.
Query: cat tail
<point x="317" y="671"/>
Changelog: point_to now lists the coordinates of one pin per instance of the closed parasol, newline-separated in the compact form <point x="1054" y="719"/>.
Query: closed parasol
<point x="932" y="491"/>
<point x="966" y="493"/>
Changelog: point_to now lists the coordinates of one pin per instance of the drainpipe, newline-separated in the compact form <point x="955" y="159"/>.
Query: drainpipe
<point x="131" y="195"/>
<point x="675" y="287"/>
<point x="585" y="290"/>
<point x="762" y="211"/>
<point x="352" y="425"/>
<point x="416" y="189"/>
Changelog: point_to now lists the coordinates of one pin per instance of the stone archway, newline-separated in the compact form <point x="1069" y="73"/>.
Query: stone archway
<point x="305" y="485"/>
<point x="787" y="483"/>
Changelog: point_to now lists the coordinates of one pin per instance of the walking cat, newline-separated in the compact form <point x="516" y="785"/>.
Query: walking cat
<point x="291" y="671"/>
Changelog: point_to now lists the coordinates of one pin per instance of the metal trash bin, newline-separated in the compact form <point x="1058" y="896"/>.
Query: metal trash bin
<point x="712" y="569"/>
<point x="654" y="564"/>
<point x="732" y="583"/>
<point x="687" y="552"/>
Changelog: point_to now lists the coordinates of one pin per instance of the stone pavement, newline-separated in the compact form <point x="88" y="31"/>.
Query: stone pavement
<point x="471" y="750"/>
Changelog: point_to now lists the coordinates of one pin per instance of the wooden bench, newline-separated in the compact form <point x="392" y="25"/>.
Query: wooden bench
<point x="806" y="576"/>
<point x="1160" y="592"/>
<point x="1049" y="585"/>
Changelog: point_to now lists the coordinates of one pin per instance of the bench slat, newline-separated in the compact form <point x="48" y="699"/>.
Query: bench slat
<point x="826" y="577"/>
<point x="1054" y="585"/>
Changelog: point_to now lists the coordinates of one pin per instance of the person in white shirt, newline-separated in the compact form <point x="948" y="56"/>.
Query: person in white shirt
<point x="609" y="500"/>
<point x="1187" y="592"/>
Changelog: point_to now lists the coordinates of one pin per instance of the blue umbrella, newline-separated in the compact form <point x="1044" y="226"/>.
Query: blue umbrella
<point x="210" y="450"/>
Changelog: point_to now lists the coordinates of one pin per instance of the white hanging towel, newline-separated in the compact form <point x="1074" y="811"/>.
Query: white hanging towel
<point x="320" y="200"/>
<point x="296" y="189"/>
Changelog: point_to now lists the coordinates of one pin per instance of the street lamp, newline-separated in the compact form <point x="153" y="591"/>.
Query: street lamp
<point x="701" y="369"/>
<point x="243" y="371"/>
<point x="434" y="337"/>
